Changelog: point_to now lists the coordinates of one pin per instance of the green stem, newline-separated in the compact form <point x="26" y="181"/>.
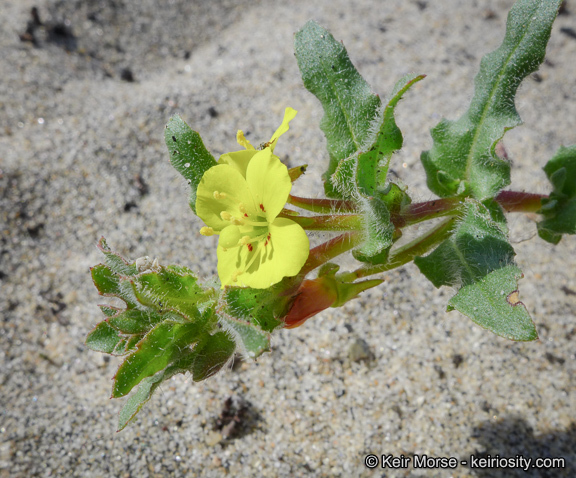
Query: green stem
<point x="406" y="253"/>
<point x="330" y="222"/>
<point x="322" y="205"/>
<point x="329" y="250"/>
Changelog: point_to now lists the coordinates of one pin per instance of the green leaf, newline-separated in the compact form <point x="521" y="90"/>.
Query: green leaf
<point x="163" y="345"/>
<point x="559" y="209"/>
<point x="171" y="288"/>
<point x="262" y="307"/>
<point x="348" y="102"/>
<point x="463" y="157"/>
<point x="147" y="387"/>
<point x="187" y="154"/>
<point x="212" y="355"/>
<point x="366" y="172"/>
<point x="104" y="338"/>
<point x="252" y="341"/>
<point x="378" y="231"/>
<point x="478" y="246"/>
<point x="479" y="260"/>
<point x="115" y="262"/>
<point x="493" y="303"/>
<point x="134" y="321"/>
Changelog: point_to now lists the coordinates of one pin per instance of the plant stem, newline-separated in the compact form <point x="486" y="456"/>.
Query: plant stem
<point x="511" y="201"/>
<point x="330" y="249"/>
<point x="515" y="201"/>
<point x="330" y="222"/>
<point x="423" y="211"/>
<point x="406" y="253"/>
<point x="322" y="205"/>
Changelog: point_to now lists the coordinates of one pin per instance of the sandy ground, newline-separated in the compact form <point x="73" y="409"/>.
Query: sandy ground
<point x="81" y="155"/>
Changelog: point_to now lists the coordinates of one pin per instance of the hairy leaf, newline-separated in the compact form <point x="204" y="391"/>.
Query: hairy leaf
<point x="559" y="210"/>
<point x="187" y="154"/>
<point x="171" y="288"/>
<point x="479" y="260"/>
<point x="463" y="158"/>
<point x="163" y="345"/>
<point x="148" y="385"/>
<point x="212" y="355"/>
<point x="348" y="102"/>
<point x="365" y="173"/>
<point x="251" y="340"/>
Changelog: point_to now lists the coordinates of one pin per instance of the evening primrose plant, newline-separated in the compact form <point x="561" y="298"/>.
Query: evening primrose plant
<point x="268" y="275"/>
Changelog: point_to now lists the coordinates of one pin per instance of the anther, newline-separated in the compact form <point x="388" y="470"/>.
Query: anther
<point x="245" y="240"/>
<point x="226" y="216"/>
<point x="207" y="231"/>
<point x="218" y="195"/>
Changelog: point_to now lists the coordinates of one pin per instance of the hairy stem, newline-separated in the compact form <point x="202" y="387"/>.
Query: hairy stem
<point x="511" y="201"/>
<point x="329" y="250"/>
<point x="329" y="222"/>
<point x="406" y="253"/>
<point x="322" y="205"/>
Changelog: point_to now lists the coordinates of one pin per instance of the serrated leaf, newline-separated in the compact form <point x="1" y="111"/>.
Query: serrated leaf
<point x="134" y="321"/>
<point x="212" y="355"/>
<point x="463" y="158"/>
<point x="348" y="102"/>
<point x="109" y="284"/>
<point x="147" y="386"/>
<point x="171" y="288"/>
<point x="187" y="154"/>
<point x="164" y="344"/>
<point x="251" y="339"/>
<point x="104" y="338"/>
<point x="492" y="302"/>
<point x="478" y="259"/>
<point x="559" y="209"/>
<point x="115" y="262"/>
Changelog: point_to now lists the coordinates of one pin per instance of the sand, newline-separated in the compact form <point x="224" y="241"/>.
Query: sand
<point x="84" y="100"/>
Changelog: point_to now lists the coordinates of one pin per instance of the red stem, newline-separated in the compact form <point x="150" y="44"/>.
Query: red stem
<point x="330" y="249"/>
<point x="327" y="205"/>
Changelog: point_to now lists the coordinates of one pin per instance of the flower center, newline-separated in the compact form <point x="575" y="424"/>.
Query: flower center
<point x="253" y="228"/>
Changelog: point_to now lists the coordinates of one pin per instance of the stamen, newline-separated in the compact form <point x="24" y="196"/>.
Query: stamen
<point x="207" y="231"/>
<point x="236" y="222"/>
<point x="226" y="216"/>
<point x="245" y="240"/>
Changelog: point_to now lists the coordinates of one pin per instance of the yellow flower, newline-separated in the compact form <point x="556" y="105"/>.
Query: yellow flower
<point x="240" y="199"/>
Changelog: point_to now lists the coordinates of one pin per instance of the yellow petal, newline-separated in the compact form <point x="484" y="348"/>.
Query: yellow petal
<point x="232" y="190"/>
<point x="269" y="183"/>
<point x="238" y="159"/>
<point x="284" y="256"/>
<point x="289" y="115"/>
<point x="242" y="141"/>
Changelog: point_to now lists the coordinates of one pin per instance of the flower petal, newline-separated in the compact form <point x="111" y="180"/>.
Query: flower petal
<point x="269" y="182"/>
<point x="289" y="114"/>
<point x="284" y="256"/>
<point x="238" y="159"/>
<point x="242" y="141"/>
<point x="226" y="182"/>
